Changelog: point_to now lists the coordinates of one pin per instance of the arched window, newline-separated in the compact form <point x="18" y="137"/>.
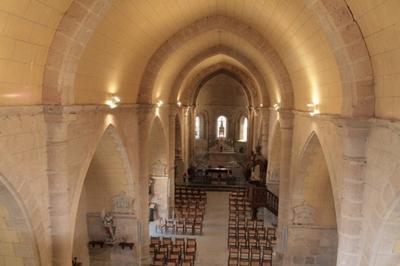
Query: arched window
<point x="243" y="128"/>
<point x="221" y="126"/>
<point x="197" y="128"/>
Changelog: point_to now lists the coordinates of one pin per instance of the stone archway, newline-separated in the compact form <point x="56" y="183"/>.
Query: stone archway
<point x="387" y="247"/>
<point x="158" y="159"/>
<point x="17" y="241"/>
<point x="261" y="93"/>
<point x="108" y="176"/>
<point x="312" y="233"/>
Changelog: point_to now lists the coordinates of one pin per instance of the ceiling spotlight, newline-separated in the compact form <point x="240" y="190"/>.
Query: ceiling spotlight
<point x="313" y="109"/>
<point x="113" y="102"/>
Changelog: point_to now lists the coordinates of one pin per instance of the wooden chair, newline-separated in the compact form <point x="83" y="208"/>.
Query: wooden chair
<point x="191" y="242"/>
<point x="244" y="256"/>
<point x="180" y="227"/>
<point x="172" y="263"/>
<point x="267" y="254"/>
<point x="233" y="262"/>
<point x="234" y="253"/>
<point x="232" y="242"/>
<point x="180" y="242"/>
<point x="243" y="262"/>
<point x="187" y="263"/>
<point x="198" y="228"/>
<point x="255" y="254"/>
<point x="189" y="258"/>
<point x="167" y="241"/>
<point x="189" y="228"/>
<point x="170" y="226"/>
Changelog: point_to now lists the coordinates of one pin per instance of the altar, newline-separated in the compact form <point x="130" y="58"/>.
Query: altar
<point x="222" y="152"/>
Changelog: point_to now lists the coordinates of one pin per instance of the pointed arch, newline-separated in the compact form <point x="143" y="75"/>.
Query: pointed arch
<point x="16" y="222"/>
<point x="312" y="193"/>
<point x="107" y="174"/>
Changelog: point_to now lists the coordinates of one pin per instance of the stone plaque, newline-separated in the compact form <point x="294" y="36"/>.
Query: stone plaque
<point x="303" y="214"/>
<point x="123" y="203"/>
<point x="159" y="169"/>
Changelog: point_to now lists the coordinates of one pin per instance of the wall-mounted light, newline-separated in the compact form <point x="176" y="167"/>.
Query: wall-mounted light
<point x="113" y="102"/>
<point x="313" y="108"/>
<point x="158" y="105"/>
<point x="261" y="105"/>
<point x="179" y="103"/>
<point x="277" y="106"/>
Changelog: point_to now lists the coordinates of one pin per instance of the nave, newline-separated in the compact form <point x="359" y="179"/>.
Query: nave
<point x="107" y="105"/>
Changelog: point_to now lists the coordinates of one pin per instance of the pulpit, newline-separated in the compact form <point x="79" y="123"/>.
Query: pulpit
<point x="259" y="196"/>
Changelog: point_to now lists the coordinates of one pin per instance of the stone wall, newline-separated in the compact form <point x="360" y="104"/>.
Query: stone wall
<point x="23" y="169"/>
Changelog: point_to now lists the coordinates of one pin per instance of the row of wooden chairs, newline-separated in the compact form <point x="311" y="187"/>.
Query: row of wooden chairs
<point x="177" y="252"/>
<point x="190" y="226"/>
<point x="251" y="256"/>
<point x="189" y="191"/>
<point x="248" y="240"/>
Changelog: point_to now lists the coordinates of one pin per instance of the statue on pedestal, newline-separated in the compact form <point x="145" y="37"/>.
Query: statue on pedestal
<point x="109" y="227"/>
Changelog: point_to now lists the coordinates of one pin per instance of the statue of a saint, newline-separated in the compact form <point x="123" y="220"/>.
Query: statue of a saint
<point x="221" y="131"/>
<point x="109" y="227"/>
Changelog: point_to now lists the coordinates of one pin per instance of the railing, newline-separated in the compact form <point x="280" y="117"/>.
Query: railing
<point x="272" y="202"/>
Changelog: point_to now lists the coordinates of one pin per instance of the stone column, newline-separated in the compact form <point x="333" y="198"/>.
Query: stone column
<point x="350" y="217"/>
<point x="190" y="122"/>
<point x="145" y="114"/>
<point x="173" y="110"/>
<point x="264" y="112"/>
<point x="250" y="139"/>
<point x="286" y="124"/>
<point x="59" y="190"/>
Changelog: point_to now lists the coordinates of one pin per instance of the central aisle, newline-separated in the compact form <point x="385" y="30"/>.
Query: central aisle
<point x="212" y="245"/>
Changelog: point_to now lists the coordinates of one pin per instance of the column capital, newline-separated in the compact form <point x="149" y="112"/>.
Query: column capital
<point x="286" y="118"/>
<point x="354" y="133"/>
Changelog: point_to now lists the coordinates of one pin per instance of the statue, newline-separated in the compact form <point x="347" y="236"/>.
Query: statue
<point x="258" y="165"/>
<point x="109" y="227"/>
<point x="221" y="131"/>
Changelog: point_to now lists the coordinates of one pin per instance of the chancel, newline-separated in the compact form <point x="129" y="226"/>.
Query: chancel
<point x="200" y="132"/>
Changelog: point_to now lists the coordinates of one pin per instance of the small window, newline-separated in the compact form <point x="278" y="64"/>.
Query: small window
<point x="221" y="127"/>
<point x="243" y="129"/>
<point x="197" y="128"/>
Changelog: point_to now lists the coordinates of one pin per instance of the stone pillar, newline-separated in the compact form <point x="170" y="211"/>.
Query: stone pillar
<point x="250" y="140"/>
<point x="286" y="124"/>
<point x="264" y="112"/>
<point x="190" y="116"/>
<point x="145" y="114"/>
<point x="350" y="217"/>
<point x="59" y="190"/>
<point x="173" y="110"/>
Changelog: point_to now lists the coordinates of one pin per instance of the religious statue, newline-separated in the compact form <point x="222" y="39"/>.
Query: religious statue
<point x="221" y="130"/>
<point x="258" y="165"/>
<point x="109" y="227"/>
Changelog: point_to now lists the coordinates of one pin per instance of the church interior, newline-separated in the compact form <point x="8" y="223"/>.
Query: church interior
<point x="207" y="133"/>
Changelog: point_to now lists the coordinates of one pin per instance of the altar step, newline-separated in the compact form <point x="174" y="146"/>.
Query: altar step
<point x="215" y="187"/>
